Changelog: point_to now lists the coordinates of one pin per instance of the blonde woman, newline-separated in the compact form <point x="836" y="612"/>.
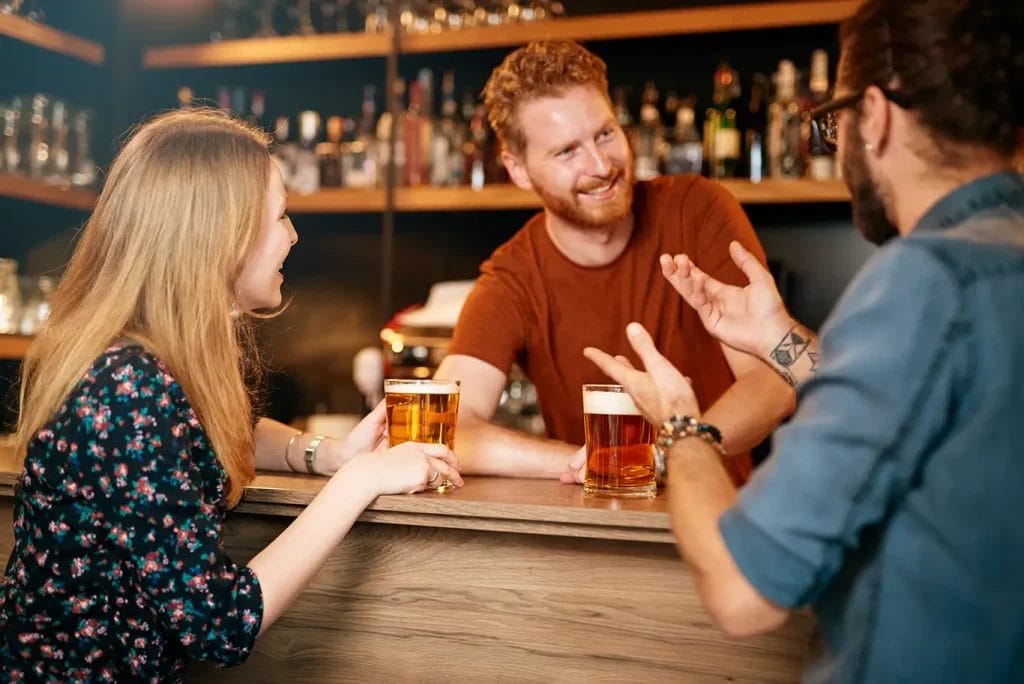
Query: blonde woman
<point x="138" y="432"/>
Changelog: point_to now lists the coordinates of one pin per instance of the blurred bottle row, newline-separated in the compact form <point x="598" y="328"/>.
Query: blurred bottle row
<point x="30" y="9"/>
<point x="46" y="139"/>
<point x="24" y="302"/>
<point x="266" y="18"/>
<point x="768" y="138"/>
<point x="313" y="151"/>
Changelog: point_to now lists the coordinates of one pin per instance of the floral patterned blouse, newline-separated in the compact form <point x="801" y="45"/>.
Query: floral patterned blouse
<point x="117" y="572"/>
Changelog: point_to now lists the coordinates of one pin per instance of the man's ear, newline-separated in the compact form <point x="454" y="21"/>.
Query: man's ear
<point x="875" y="119"/>
<point x="516" y="167"/>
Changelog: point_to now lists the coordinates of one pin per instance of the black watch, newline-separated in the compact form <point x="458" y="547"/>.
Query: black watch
<point x="676" y="428"/>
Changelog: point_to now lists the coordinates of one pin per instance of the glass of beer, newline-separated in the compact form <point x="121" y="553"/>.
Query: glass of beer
<point x="620" y="444"/>
<point x="422" y="411"/>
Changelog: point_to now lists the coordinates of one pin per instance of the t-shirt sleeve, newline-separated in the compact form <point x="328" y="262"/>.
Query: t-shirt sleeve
<point x="158" y="515"/>
<point x="862" y="430"/>
<point x="492" y="324"/>
<point x="720" y="220"/>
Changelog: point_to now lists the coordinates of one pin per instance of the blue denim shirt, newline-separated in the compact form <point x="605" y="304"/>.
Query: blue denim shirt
<point x="894" y="500"/>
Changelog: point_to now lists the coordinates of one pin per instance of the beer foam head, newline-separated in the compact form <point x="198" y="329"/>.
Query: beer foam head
<point x="420" y="387"/>
<point x="609" y="403"/>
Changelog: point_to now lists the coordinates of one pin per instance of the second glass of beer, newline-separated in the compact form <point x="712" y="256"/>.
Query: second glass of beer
<point x="620" y="444"/>
<point x="422" y="411"/>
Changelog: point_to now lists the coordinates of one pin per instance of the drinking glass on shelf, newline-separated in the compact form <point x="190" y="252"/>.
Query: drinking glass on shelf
<point x="10" y="297"/>
<point x="34" y="12"/>
<point x="83" y="166"/>
<point x="10" y="6"/>
<point x="10" y="135"/>
<point x="60" y="156"/>
<point x="39" y="135"/>
<point x="36" y="293"/>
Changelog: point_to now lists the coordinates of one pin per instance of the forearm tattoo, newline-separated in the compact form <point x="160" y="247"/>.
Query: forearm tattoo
<point x="785" y="355"/>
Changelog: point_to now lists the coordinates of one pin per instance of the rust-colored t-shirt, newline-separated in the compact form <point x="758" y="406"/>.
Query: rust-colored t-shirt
<point x="534" y="306"/>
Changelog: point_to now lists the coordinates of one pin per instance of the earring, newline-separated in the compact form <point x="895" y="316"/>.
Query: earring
<point x="869" y="147"/>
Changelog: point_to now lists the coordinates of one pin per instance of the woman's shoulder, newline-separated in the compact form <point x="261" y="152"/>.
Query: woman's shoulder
<point x="129" y="369"/>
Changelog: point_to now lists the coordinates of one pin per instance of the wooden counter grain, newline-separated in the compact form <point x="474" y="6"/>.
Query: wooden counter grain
<point x="504" y="580"/>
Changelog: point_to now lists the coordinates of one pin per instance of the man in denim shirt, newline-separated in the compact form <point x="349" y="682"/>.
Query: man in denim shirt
<point x="893" y="503"/>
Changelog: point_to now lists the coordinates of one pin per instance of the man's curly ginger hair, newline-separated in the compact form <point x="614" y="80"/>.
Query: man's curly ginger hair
<point x="537" y="70"/>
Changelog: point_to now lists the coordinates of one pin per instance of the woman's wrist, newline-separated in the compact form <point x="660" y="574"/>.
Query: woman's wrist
<point x="358" y="476"/>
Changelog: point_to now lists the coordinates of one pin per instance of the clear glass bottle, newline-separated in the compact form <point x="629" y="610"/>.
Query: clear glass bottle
<point x="686" y="152"/>
<point x="306" y="178"/>
<point x="785" y="159"/>
<point x="820" y="163"/>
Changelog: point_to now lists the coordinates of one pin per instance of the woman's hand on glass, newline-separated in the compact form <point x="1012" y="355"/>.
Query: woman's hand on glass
<point x="407" y="468"/>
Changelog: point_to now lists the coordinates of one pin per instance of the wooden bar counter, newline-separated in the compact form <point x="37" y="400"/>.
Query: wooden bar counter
<point x="503" y="580"/>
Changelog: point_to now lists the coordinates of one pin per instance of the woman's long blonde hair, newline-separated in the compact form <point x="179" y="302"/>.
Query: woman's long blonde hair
<point x="157" y="263"/>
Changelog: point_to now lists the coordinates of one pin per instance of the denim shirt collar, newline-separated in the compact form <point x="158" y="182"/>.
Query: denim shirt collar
<point x="998" y="189"/>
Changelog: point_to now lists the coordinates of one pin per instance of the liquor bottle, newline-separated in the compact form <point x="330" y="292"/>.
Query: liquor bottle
<point x="649" y="136"/>
<point x="332" y="16"/>
<point x="448" y="164"/>
<point x="306" y="178"/>
<point x="668" y="119"/>
<point x="328" y="154"/>
<point x="282" y="151"/>
<point x="427" y="121"/>
<point x="388" y="126"/>
<point x="686" y="152"/>
<point x="784" y="155"/>
<point x="224" y="98"/>
<point x="415" y="160"/>
<point x="721" y="135"/>
<point x="257" y="109"/>
<point x="376" y="16"/>
<point x="820" y="163"/>
<point x="623" y="117"/>
<point x="359" y="158"/>
<point x="755" y="124"/>
<point x="476" y="150"/>
<point x="185" y="97"/>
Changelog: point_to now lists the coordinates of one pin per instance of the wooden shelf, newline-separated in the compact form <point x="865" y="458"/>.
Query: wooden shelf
<point x="638" y="25"/>
<point x="337" y="201"/>
<point x="19" y="187"/>
<point x="596" y="27"/>
<point x="278" y="50"/>
<point x="794" y="191"/>
<point x="507" y="197"/>
<point x="51" y="39"/>
<point x="13" y="347"/>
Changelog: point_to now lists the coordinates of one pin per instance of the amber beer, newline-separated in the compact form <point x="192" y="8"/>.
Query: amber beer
<point x="422" y="411"/>
<point x="620" y="444"/>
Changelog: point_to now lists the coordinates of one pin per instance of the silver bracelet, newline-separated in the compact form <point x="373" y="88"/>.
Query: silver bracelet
<point x="311" y="448"/>
<point x="288" y="448"/>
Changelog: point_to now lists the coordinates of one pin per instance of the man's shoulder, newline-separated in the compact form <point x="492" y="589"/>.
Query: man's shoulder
<point x="518" y="253"/>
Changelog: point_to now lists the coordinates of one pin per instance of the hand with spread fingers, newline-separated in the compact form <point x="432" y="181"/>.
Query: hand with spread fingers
<point x="660" y="391"/>
<point x="751" y="319"/>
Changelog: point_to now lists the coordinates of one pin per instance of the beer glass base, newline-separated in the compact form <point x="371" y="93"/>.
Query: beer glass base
<point x="648" y="491"/>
